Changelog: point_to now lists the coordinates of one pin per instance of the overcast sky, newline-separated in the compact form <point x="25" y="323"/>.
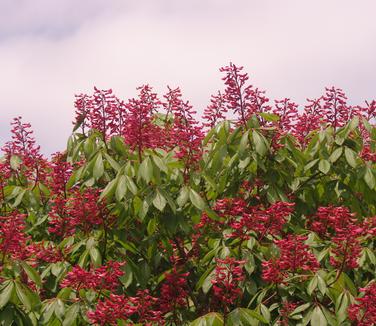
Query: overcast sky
<point x="53" y="49"/>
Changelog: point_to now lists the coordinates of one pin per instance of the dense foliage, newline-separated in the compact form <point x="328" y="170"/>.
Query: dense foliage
<point x="151" y="217"/>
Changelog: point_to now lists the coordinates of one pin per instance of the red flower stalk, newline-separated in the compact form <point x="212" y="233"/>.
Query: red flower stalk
<point x="336" y="111"/>
<point x="228" y="277"/>
<point x="363" y="313"/>
<point x="294" y="258"/>
<point x="215" y="112"/>
<point x="61" y="172"/>
<point x="140" y="132"/>
<point x="184" y="134"/>
<point x="242" y="99"/>
<point x="42" y="252"/>
<point x="288" y="114"/>
<point x="102" y="278"/>
<point x="12" y="237"/>
<point x="270" y="220"/>
<point x="79" y="211"/>
<point x="339" y="226"/>
<point x="141" y="309"/>
<point x="174" y="291"/>
<point x="310" y="120"/>
<point x="285" y="311"/>
<point x="23" y="145"/>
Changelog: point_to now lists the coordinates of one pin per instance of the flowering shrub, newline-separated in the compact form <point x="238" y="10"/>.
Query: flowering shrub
<point x="261" y="213"/>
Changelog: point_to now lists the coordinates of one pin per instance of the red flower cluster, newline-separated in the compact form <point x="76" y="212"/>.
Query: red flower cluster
<point x="12" y="237"/>
<point x="215" y="112"/>
<point x="364" y="312"/>
<point x="23" y="146"/>
<point x="184" y="134"/>
<point x="294" y="258"/>
<point x="228" y="276"/>
<point x="287" y="308"/>
<point x="79" y="211"/>
<point x="41" y="252"/>
<point x="102" y="278"/>
<point x="339" y="226"/>
<point x="242" y="99"/>
<point x="174" y="291"/>
<point x="243" y="219"/>
<point x="141" y="308"/>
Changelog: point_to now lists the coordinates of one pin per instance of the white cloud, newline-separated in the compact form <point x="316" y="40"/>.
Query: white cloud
<point x="290" y="48"/>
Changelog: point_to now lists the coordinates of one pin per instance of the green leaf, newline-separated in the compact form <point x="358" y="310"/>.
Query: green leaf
<point x="269" y="116"/>
<point x="146" y="170"/>
<point x="121" y="188"/>
<point x="300" y="309"/>
<point x="244" y="317"/>
<point x="159" y="201"/>
<point x="6" y="293"/>
<point x="265" y="312"/>
<point x="350" y="157"/>
<point x="160" y="163"/>
<point x="183" y="196"/>
<point x="210" y="319"/>
<point x="24" y="295"/>
<point x="336" y="155"/>
<point x="115" y="165"/>
<point x="196" y="200"/>
<point x="260" y="143"/>
<point x="324" y="166"/>
<point x="318" y="318"/>
<point x="95" y="256"/>
<point x="369" y="178"/>
<point x="109" y="191"/>
<point x="71" y="314"/>
<point x="312" y="285"/>
<point x="32" y="274"/>
<point x="98" y="169"/>
<point x="152" y="226"/>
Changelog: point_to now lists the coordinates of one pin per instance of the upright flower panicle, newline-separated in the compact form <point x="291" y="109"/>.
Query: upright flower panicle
<point x="294" y="258"/>
<point x="228" y="277"/>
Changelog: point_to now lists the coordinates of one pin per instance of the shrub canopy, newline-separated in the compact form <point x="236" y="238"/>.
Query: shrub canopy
<point x="259" y="214"/>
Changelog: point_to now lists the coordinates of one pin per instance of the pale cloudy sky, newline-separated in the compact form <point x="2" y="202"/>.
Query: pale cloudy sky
<point x="53" y="49"/>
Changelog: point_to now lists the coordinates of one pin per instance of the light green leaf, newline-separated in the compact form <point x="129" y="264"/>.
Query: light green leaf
<point x="196" y="199"/>
<point x="324" y="166"/>
<point x="6" y="293"/>
<point x="244" y="317"/>
<point x="98" y="167"/>
<point x="369" y="178"/>
<point x="210" y="319"/>
<point x="95" y="256"/>
<point x="121" y="188"/>
<point x="159" y="201"/>
<point x="350" y="157"/>
<point x="318" y="318"/>
<point x="260" y="143"/>
<point x="336" y="155"/>
<point x="146" y="170"/>
<point x="32" y="274"/>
